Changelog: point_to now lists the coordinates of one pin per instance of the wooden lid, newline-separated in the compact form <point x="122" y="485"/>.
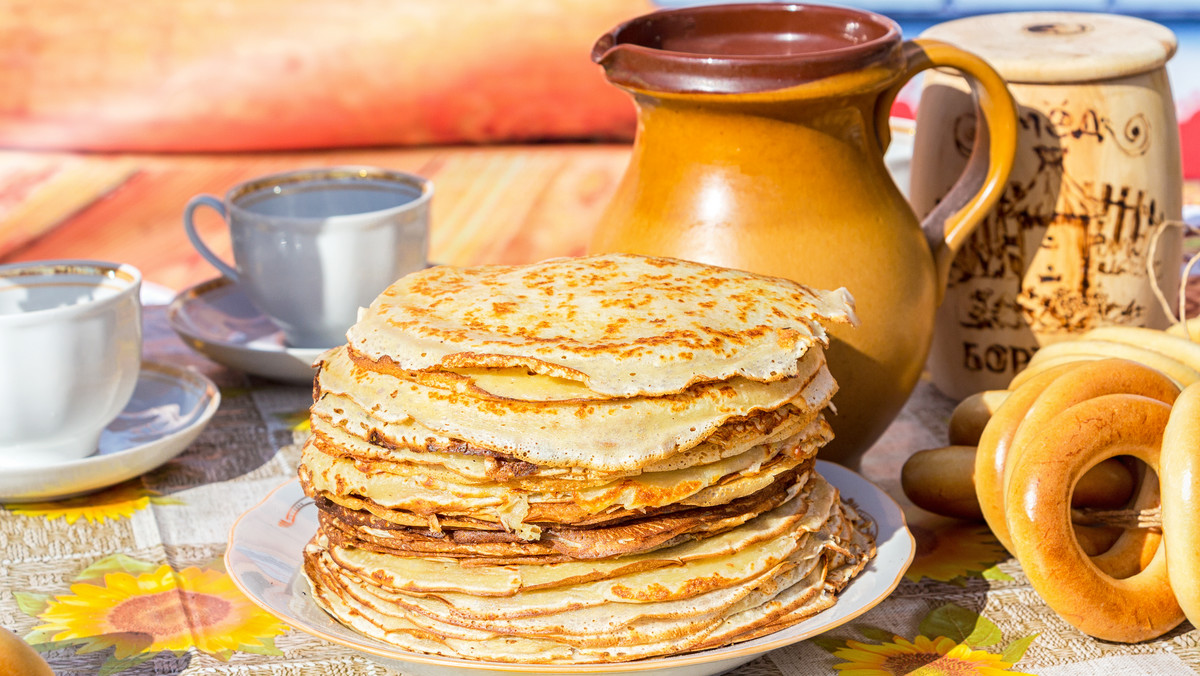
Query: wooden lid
<point x="1058" y="47"/>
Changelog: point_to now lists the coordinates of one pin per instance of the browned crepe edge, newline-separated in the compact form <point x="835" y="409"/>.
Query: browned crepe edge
<point x="660" y="527"/>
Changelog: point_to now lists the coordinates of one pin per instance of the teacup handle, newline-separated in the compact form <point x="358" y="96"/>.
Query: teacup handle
<point x="983" y="180"/>
<point x="190" y="227"/>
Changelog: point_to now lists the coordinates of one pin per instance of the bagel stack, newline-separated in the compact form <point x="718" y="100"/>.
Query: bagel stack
<point x="588" y="459"/>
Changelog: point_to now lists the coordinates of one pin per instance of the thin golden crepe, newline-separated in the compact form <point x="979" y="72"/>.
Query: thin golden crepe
<point x="652" y="530"/>
<point x="621" y="325"/>
<point x="610" y="434"/>
<point x="700" y="602"/>
<point x="583" y="460"/>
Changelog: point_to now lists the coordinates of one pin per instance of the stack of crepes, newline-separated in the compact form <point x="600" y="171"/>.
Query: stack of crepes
<point x="588" y="459"/>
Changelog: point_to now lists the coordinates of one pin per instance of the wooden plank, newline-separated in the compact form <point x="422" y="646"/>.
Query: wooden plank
<point x="40" y="191"/>
<point x="492" y="204"/>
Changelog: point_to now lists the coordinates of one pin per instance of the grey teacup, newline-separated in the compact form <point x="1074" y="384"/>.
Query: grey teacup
<point x="312" y="246"/>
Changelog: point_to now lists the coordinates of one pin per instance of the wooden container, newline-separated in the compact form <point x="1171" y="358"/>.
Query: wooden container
<point x="1097" y="174"/>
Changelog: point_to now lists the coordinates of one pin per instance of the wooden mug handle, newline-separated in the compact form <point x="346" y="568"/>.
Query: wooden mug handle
<point x="982" y="182"/>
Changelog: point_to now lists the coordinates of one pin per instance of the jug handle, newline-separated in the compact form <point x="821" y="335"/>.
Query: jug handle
<point x="983" y="180"/>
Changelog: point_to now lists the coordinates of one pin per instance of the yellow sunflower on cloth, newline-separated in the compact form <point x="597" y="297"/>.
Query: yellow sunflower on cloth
<point x="139" y="609"/>
<point x="950" y="550"/>
<point x="116" y="502"/>
<point x="952" y="642"/>
<point x="922" y="656"/>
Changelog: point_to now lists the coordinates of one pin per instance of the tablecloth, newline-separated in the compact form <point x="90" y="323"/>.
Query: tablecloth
<point x="130" y="580"/>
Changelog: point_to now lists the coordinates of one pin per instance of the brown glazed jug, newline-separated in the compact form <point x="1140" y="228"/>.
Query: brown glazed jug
<point x="760" y="141"/>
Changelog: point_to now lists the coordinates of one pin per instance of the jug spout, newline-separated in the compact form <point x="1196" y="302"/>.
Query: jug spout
<point x="603" y="47"/>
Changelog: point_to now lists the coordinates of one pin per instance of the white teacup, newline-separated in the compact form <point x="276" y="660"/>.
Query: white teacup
<point x="312" y="246"/>
<point x="70" y="354"/>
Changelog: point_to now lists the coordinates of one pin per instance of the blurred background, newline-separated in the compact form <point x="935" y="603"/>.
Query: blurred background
<point x="112" y="115"/>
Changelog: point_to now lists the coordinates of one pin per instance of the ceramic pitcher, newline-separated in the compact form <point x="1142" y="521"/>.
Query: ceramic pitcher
<point x="1096" y="184"/>
<point x="760" y="140"/>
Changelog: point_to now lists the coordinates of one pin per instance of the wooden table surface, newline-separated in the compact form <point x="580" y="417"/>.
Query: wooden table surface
<point x="492" y="204"/>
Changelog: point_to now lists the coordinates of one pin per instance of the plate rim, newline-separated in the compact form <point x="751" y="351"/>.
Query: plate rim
<point x="735" y="651"/>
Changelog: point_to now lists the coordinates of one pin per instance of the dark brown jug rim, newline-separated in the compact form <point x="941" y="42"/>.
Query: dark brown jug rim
<point x="633" y="53"/>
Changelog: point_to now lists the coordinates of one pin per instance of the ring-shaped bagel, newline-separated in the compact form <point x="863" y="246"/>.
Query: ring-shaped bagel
<point x="1180" y="479"/>
<point x="992" y="452"/>
<point x="1178" y="371"/>
<point x="1134" y="548"/>
<point x="1044" y="365"/>
<point x="1176" y="347"/>
<point x="1136" y="608"/>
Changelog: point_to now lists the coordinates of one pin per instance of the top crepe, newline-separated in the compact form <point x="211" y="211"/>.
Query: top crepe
<point x="622" y="325"/>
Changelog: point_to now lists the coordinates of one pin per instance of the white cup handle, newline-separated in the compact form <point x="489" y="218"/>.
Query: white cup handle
<point x="188" y="226"/>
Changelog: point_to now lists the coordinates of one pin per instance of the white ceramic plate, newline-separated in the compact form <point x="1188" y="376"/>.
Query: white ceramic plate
<point x="217" y="320"/>
<point x="169" y="408"/>
<point x="264" y="560"/>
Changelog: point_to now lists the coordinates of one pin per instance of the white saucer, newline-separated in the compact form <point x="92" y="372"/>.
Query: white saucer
<point x="169" y="408"/>
<point x="217" y="320"/>
<point x="266" y="546"/>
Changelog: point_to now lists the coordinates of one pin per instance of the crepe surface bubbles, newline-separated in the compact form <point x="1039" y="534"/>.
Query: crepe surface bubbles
<point x="583" y="460"/>
<point x="622" y="325"/>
